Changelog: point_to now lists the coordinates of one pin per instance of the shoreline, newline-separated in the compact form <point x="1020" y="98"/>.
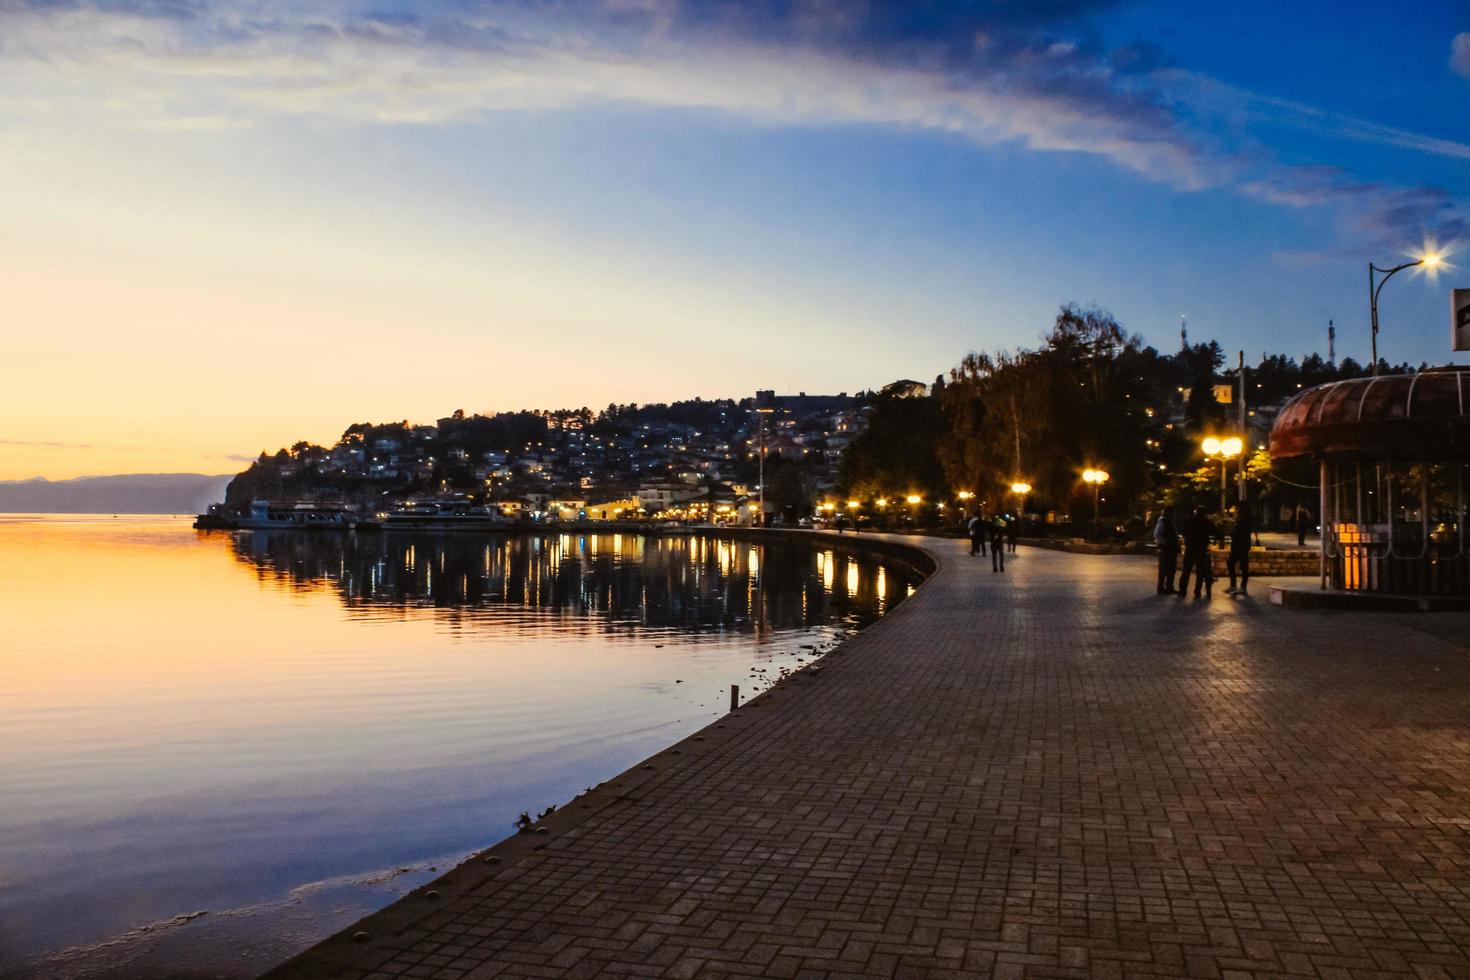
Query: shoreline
<point x="342" y="949"/>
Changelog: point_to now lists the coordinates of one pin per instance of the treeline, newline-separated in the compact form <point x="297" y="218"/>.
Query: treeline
<point x="1090" y="395"/>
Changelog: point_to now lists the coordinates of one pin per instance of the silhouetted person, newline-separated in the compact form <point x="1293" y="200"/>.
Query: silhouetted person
<point x="998" y="544"/>
<point x="978" y="531"/>
<point x="1240" y="550"/>
<point x="1166" y="537"/>
<point x="1197" y="532"/>
<point x="1303" y="518"/>
<point x="1011" y="534"/>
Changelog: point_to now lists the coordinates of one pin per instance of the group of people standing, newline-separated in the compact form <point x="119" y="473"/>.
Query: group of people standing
<point x="1196" y="534"/>
<point x="999" y="532"/>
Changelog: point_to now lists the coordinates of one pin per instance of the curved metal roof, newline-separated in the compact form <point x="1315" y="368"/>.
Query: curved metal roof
<point x="1421" y="414"/>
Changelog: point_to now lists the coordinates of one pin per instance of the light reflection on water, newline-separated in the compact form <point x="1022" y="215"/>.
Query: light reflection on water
<point x="212" y="722"/>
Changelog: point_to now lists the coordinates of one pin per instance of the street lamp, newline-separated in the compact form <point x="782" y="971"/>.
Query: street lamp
<point x="1225" y="449"/>
<point x="1021" y="488"/>
<point x="1375" y="286"/>
<point x="763" y="409"/>
<point x="1096" y="478"/>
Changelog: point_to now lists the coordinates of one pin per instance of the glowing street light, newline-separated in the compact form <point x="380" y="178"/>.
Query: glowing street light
<point x="1096" y="478"/>
<point x="914" y="498"/>
<point x="1430" y="260"/>
<point x="1021" y="488"/>
<point x="1225" y="450"/>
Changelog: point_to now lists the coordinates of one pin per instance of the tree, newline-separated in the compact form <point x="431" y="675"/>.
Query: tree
<point x="898" y="452"/>
<point x="1201" y="412"/>
<point x="996" y="409"/>
<point x="788" y="492"/>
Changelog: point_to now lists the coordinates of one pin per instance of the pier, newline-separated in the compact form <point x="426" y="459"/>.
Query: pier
<point x="1051" y="772"/>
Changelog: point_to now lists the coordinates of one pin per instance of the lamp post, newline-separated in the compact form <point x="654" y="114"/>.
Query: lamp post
<point x="1225" y="450"/>
<point x="913" y="500"/>
<point x="1096" y="478"/>
<point x="763" y="410"/>
<point x="1021" y="488"/>
<point x="1375" y="286"/>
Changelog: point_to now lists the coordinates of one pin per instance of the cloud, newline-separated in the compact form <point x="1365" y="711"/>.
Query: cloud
<point x="241" y="457"/>
<point x="1032" y="74"/>
<point x="46" y="445"/>
<point x="1460" y="55"/>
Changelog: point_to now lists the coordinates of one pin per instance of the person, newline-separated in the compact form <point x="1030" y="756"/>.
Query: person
<point x="1198" y="532"/>
<point x="1240" y="550"/>
<point x="998" y="544"/>
<point x="1011" y="532"/>
<point x="1166" y="538"/>
<point x="1303" y="518"/>
<point x="977" y="535"/>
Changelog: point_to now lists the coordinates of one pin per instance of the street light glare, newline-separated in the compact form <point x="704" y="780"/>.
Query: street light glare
<point x="914" y="498"/>
<point x="1231" y="446"/>
<point x="1211" y="446"/>
<point x="1431" y="260"/>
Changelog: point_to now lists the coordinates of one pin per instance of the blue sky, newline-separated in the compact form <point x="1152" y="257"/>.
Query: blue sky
<point x="504" y="204"/>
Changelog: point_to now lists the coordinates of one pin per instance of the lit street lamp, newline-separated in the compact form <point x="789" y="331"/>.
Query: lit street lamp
<point x="913" y="500"/>
<point x="1020" y="488"/>
<point x="1226" y="450"/>
<point x="1375" y="286"/>
<point x="1096" y="478"/>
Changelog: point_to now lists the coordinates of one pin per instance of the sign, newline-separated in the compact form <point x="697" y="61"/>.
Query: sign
<point x="1224" y="394"/>
<point x="1460" y="319"/>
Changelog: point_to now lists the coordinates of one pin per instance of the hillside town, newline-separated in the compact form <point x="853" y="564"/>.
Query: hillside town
<point x="691" y="460"/>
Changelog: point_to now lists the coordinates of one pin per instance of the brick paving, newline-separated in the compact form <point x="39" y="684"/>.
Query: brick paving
<point x="1047" y="773"/>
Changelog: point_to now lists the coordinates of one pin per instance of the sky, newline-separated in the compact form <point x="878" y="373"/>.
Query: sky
<point x="225" y="227"/>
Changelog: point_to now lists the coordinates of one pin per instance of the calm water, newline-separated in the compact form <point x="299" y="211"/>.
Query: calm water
<point x="285" y="731"/>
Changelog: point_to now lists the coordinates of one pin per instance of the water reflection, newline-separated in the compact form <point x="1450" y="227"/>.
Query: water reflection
<point x="593" y="582"/>
<point x="267" y="727"/>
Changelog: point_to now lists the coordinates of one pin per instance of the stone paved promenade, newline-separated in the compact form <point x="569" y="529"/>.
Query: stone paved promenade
<point x="1050" y="773"/>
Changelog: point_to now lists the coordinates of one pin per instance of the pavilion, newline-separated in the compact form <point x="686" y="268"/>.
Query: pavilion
<point x="1394" y="457"/>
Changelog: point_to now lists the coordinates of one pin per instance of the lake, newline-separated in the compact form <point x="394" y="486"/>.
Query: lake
<point x="217" y="748"/>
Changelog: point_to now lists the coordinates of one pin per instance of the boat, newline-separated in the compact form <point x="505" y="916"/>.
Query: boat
<point x="443" y="515"/>
<point x="296" y="515"/>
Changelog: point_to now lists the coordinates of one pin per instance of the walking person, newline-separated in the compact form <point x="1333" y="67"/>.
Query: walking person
<point x="1011" y="531"/>
<point x="1240" y="550"/>
<point x="1166" y="538"/>
<point x="998" y="544"/>
<point x="977" y="535"/>
<point x="1198" y="532"/>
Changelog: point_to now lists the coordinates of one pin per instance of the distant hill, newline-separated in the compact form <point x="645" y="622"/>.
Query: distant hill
<point x="132" y="493"/>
